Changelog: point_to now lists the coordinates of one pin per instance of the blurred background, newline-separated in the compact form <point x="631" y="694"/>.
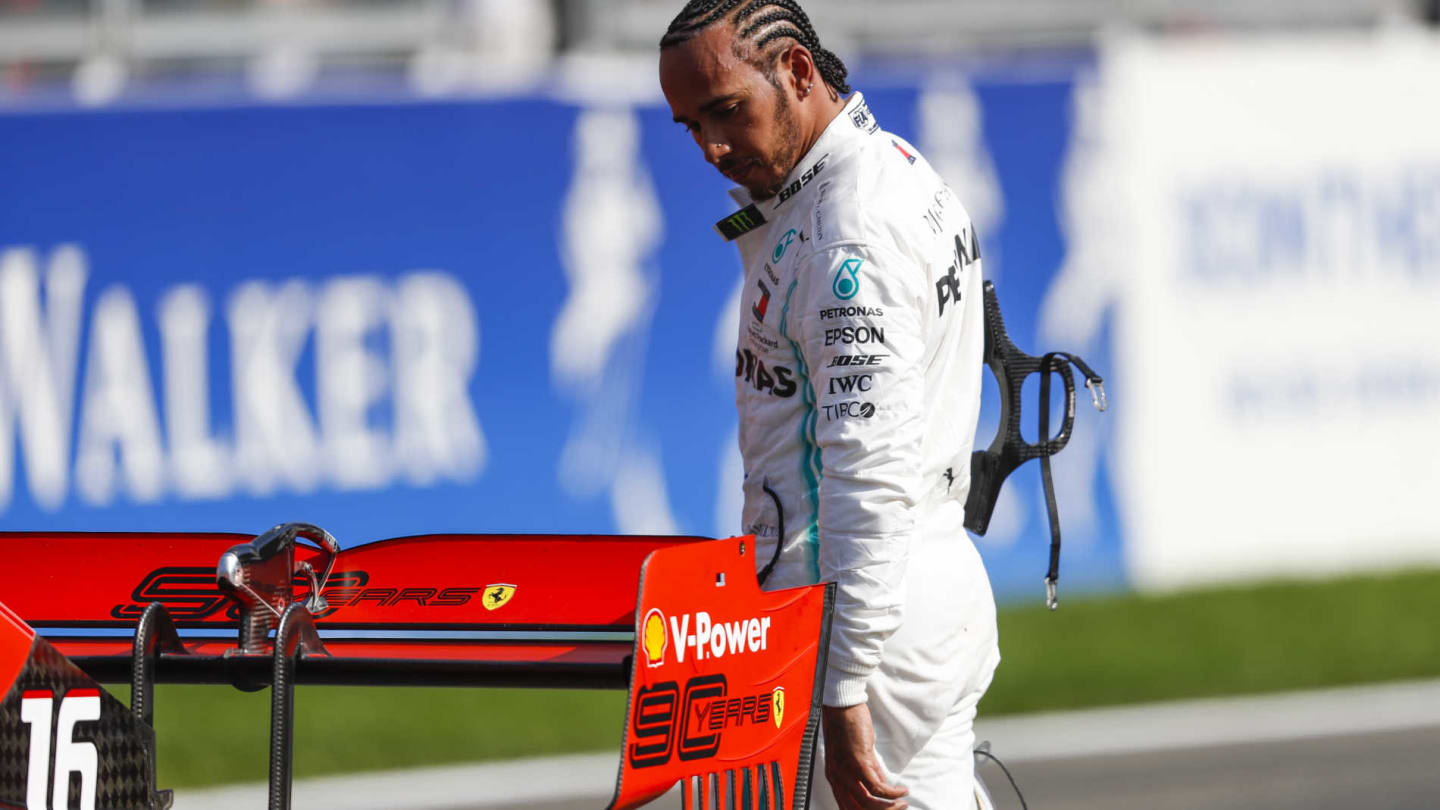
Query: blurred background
<point x="447" y="265"/>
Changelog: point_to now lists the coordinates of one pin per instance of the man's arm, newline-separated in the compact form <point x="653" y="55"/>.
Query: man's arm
<point x="862" y="336"/>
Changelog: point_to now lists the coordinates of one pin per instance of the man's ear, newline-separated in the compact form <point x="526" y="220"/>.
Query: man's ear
<point x="797" y="65"/>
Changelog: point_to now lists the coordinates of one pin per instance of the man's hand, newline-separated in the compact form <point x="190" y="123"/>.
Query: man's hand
<point x="851" y="766"/>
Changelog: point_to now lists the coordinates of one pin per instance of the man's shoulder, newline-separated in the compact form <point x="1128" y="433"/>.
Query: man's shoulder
<point x="873" y="194"/>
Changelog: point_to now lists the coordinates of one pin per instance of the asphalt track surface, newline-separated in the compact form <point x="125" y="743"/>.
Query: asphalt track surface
<point x="1384" y="771"/>
<point x="1392" y="770"/>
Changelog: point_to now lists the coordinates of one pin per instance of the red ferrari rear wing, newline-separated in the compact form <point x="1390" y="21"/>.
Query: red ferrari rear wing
<point x="490" y="610"/>
<point x="724" y="698"/>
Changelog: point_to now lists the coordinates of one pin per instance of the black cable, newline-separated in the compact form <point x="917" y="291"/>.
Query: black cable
<point x="986" y="753"/>
<point x="780" y="533"/>
<point x="1048" y="365"/>
<point x="1059" y="363"/>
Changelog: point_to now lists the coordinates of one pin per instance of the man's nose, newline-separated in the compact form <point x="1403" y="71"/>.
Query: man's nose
<point x="715" y="146"/>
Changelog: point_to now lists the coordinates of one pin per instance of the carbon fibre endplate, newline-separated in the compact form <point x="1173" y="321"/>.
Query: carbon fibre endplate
<point x="990" y="467"/>
<point x="124" y="746"/>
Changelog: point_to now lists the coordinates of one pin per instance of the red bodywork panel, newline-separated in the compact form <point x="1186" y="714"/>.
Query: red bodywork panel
<point x="15" y="642"/>
<point x="724" y="694"/>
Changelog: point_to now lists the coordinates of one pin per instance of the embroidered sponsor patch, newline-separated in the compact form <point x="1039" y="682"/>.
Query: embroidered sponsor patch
<point x="847" y="279"/>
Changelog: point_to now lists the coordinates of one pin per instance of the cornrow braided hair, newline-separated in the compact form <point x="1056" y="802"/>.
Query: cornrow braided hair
<point x="781" y="19"/>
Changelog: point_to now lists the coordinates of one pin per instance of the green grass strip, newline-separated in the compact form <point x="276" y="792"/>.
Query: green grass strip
<point x="209" y="735"/>
<point x="1241" y="640"/>
<point x="1093" y="651"/>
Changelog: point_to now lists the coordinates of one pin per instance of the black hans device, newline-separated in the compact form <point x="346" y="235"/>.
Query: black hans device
<point x="990" y="467"/>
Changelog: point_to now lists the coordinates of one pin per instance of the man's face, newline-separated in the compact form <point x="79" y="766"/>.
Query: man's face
<point x="744" y="124"/>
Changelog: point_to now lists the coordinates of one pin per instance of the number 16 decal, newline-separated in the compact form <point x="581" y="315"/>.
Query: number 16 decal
<point x="37" y="710"/>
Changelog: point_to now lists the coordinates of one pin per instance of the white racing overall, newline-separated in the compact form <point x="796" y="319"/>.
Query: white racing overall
<point x="858" y="375"/>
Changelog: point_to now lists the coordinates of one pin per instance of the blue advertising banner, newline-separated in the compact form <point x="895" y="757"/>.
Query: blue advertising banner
<point x="482" y="316"/>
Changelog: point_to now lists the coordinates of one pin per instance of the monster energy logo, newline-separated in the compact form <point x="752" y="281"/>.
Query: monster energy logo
<point x="740" y="223"/>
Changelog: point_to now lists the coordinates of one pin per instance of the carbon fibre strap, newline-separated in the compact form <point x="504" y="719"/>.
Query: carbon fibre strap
<point x="990" y="467"/>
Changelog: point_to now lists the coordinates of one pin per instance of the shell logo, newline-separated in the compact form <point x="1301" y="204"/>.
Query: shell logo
<point x="654" y="637"/>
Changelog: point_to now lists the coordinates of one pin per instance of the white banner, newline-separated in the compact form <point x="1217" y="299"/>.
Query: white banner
<point x="1265" y="216"/>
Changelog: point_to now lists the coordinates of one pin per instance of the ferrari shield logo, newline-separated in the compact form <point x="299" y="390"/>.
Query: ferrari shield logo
<point x="777" y="705"/>
<point x="498" y="595"/>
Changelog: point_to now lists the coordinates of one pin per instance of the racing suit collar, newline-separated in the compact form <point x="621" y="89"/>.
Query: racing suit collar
<point x="853" y="123"/>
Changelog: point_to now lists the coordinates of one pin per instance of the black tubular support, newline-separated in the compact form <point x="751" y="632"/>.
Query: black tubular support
<point x="251" y="673"/>
<point x="295" y="637"/>
<point x="153" y="635"/>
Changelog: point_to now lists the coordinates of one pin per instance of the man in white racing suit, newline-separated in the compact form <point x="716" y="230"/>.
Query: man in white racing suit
<point x="858" y="374"/>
